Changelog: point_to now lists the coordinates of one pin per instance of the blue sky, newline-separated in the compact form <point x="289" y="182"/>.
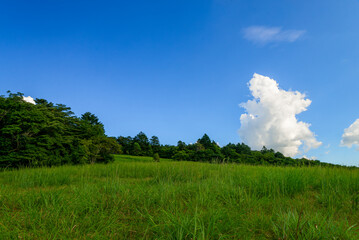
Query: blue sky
<point x="179" y="69"/>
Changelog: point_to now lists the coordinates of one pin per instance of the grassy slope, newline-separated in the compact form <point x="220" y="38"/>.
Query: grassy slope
<point x="135" y="198"/>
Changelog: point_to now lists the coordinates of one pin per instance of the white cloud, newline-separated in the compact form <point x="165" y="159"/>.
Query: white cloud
<point x="271" y="119"/>
<point x="28" y="99"/>
<point x="350" y="136"/>
<point x="263" y="35"/>
<point x="310" y="158"/>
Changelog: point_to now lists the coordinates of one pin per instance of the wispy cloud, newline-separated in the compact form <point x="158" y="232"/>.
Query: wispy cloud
<point x="263" y="35"/>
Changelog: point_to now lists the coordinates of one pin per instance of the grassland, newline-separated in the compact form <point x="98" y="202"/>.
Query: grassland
<point x="136" y="198"/>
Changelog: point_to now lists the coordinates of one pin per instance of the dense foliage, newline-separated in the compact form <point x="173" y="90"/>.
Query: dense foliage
<point x="47" y="134"/>
<point x="207" y="150"/>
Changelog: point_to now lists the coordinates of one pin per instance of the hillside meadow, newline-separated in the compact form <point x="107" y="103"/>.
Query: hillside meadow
<point x="136" y="198"/>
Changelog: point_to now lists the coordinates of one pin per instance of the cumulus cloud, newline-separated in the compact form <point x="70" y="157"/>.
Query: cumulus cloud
<point x="271" y="119"/>
<point x="263" y="35"/>
<point x="29" y="99"/>
<point x="350" y="136"/>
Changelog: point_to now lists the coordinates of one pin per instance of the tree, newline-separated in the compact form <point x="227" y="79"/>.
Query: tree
<point x="266" y="150"/>
<point x="279" y="155"/>
<point x="91" y="126"/>
<point x="205" y="141"/>
<point x="242" y="148"/>
<point x="229" y="152"/>
<point x="155" y="144"/>
<point x="142" y="140"/>
<point x="181" y="156"/>
<point x="47" y="134"/>
<point x="167" y="151"/>
<point x="181" y="145"/>
<point x="136" y="149"/>
<point x="126" y="143"/>
<point x="199" y="147"/>
<point x="91" y="118"/>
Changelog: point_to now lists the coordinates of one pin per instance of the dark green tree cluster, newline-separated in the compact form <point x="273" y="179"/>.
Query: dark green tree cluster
<point x="207" y="150"/>
<point x="47" y="134"/>
<point x="140" y="145"/>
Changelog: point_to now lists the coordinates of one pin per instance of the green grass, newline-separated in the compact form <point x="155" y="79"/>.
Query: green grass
<point x="136" y="198"/>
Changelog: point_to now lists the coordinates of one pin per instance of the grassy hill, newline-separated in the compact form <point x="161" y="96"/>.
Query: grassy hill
<point x="136" y="198"/>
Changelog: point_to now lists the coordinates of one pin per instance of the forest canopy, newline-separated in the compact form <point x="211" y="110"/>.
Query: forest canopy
<point x="47" y="134"/>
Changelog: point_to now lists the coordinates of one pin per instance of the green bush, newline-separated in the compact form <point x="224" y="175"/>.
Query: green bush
<point x="156" y="157"/>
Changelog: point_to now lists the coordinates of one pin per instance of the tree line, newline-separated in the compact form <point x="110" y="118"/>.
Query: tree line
<point x="207" y="150"/>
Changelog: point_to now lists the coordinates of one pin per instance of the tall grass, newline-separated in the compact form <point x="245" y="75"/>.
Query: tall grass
<point x="136" y="198"/>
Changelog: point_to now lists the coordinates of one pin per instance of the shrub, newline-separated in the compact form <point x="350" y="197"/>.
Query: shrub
<point x="156" y="157"/>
